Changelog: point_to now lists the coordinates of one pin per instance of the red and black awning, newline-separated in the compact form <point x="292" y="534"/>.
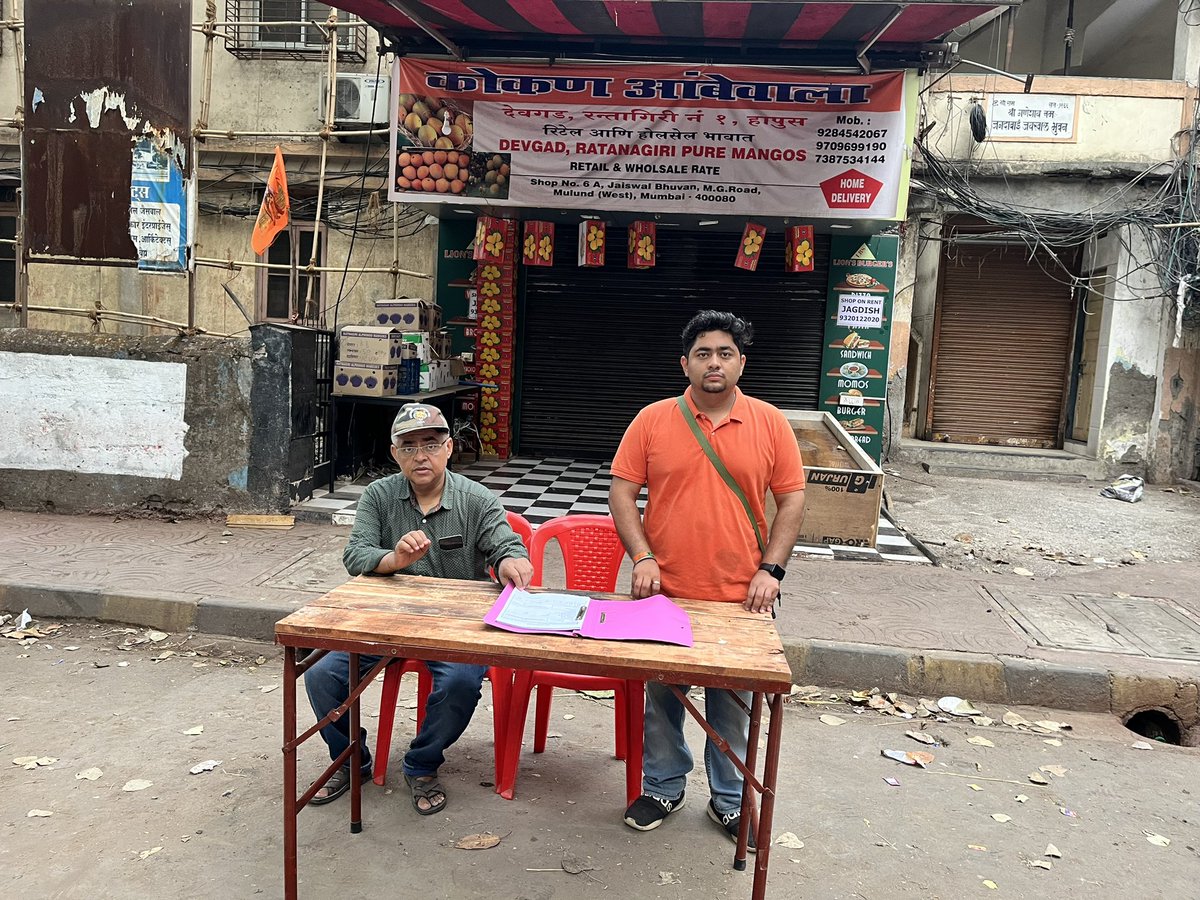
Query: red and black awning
<point x="726" y="31"/>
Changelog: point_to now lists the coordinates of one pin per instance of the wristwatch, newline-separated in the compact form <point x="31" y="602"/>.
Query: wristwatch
<point x="776" y="572"/>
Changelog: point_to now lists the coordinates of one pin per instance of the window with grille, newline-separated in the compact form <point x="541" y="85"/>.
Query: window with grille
<point x="8" y="247"/>
<point x="288" y="29"/>
<point x="282" y="293"/>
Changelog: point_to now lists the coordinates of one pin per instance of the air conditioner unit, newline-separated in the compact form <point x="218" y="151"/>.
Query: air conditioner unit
<point x="356" y="95"/>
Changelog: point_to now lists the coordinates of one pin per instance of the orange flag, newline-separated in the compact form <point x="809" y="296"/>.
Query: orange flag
<point x="273" y="214"/>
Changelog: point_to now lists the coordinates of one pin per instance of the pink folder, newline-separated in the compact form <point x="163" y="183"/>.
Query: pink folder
<point x="655" y="618"/>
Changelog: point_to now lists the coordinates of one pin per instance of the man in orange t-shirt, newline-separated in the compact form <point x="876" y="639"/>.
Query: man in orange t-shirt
<point x="696" y="540"/>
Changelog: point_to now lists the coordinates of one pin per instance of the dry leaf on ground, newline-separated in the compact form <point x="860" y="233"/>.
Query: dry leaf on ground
<point x="980" y="741"/>
<point x="88" y="774"/>
<point x="1016" y="720"/>
<point x="1038" y="778"/>
<point x="1060" y="771"/>
<point x="1051" y="850"/>
<point x="150" y="852"/>
<point x="922" y="737"/>
<point x="832" y="720"/>
<point x="1141" y="745"/>
<point x="482" y="841"/>
<point x="1001" y="818"/>
<point x="1040" y="864"/>
<point x="207" y="766"/>
<point x="198" y="729"/>
<point x="790" y="840"/>
<point x="1157" y="839"/>
<point x="136" y="784"/>
<point x="38" y="814"/>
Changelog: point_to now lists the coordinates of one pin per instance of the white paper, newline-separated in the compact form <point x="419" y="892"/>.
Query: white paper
<point x="544" y="612"/>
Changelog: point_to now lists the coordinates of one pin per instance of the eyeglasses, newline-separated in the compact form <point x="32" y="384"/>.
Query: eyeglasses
<point x="428" y="448"/>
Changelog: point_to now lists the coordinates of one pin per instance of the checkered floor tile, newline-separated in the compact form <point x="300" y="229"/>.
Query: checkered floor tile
<point x="542" y="489"/>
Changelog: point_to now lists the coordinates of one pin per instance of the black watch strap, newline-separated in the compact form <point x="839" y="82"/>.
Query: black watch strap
<point x="775" y="571"/>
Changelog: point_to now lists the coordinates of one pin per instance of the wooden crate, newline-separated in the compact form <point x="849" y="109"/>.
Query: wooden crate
<point x="845" y="486"/>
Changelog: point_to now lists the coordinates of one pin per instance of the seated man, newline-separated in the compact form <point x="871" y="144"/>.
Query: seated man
<point x="422" y="521"/>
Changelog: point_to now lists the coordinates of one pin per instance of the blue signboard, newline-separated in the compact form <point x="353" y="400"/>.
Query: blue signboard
<point x="158" y="210"/>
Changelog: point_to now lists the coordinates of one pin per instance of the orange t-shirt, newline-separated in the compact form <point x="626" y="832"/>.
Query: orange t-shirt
<point x="696" y="526"/>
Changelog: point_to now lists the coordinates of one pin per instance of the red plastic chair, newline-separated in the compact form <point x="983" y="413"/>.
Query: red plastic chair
<point x="501" y="680"/>
<point x="592" y="554"/>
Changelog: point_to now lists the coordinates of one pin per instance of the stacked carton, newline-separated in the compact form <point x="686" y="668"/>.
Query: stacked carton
<point x="403" y="352"/>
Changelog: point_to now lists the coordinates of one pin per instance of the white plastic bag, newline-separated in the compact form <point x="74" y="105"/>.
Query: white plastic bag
<point x="1127" y="488"/>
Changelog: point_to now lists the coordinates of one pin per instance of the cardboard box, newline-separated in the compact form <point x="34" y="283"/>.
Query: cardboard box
<point x="538" y="247"/>
<point x="592" y="239"/>
<point x="845" y="487"/>
<point x="437" y="374"/>
<point x="376" y="345"/>
<point x="429" y="345"/>
<point x="750" y="247"/>
<point x="408" y="314"/>
<point x="357" y="380"/>
<point x="642" y="251"/>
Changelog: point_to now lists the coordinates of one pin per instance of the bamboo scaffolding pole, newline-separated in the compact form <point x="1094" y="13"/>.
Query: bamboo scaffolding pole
<point x="324" y="134"/>
<point x="309" y="23"/>
<point x="232" y="265"/>
<point x="330" y="105"/>
<point x="22" y="297"/>
<point x="96" y="315"/>
<point x="206" y="94"/>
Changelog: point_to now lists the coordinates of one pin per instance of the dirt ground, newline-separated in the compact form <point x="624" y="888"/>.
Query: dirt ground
<point x="71" y="705"/>
<point x="1047" y="528"/>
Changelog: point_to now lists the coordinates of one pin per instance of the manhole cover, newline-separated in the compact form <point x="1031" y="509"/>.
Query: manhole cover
<point x="1143" y="626"/>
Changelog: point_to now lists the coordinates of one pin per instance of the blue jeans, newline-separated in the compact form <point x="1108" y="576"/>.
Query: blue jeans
<point x="456" y="691"/>
<point x="666" y="758"/>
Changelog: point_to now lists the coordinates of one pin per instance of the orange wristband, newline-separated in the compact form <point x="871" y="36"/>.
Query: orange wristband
<point x="644" y="555"/>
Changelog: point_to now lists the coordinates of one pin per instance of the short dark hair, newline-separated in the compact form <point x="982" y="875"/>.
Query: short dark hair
<point x="740" y="330"/>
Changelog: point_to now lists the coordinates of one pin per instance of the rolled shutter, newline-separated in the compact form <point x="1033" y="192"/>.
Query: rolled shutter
<point x="597" y="345"/>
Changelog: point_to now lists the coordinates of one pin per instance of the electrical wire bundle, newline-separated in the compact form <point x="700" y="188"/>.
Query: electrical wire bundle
<point x="1149" y="205"/>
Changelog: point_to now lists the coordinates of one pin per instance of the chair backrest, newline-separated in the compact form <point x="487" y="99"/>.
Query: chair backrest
<point x="521" y="526"/>
<point x="591" y="550"/>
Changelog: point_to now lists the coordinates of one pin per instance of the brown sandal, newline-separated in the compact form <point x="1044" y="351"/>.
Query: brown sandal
<point x="426" y="790"/>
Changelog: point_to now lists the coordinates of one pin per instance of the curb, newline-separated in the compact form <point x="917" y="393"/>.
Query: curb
<point x="980" y="677"/>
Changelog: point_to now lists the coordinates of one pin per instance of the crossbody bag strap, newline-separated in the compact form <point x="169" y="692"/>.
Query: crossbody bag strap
<point x="711" y="453"/>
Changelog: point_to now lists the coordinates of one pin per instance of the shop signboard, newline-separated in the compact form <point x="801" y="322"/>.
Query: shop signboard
<point x="854" y="367"/>
<point x="658" y="138"/>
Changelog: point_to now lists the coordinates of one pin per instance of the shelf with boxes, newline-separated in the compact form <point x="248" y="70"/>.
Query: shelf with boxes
<point x="404" y="351"/>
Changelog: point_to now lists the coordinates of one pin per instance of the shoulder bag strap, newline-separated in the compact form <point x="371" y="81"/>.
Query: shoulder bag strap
<point x="721" y="470"/>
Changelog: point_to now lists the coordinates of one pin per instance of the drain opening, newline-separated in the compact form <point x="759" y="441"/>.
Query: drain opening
<point x="1155" y="725"/>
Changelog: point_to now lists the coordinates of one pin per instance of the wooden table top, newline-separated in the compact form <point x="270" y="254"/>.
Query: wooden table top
<point x="439" y="618"/>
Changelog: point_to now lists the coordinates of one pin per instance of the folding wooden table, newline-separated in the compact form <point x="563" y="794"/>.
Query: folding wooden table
<point x="410" y="617"/>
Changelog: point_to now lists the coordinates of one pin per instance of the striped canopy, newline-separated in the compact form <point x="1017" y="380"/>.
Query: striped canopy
<point x="731" y="30"/>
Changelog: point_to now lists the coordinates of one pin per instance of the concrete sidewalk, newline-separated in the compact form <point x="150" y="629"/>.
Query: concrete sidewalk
<point x="1104" y="639"/>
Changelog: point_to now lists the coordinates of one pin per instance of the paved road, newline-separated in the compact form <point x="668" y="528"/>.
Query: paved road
<point x="219" y="833"/>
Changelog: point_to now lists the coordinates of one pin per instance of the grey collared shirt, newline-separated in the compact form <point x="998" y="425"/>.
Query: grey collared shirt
<point x="388" y="510"/>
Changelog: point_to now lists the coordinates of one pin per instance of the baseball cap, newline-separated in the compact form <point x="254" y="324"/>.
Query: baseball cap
<point x="418" y="417"/>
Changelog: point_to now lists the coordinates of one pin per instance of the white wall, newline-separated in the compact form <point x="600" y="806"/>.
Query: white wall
<point x="1121" y="124"/>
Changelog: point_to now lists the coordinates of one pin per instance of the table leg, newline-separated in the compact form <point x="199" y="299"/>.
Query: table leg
<point x="745" y="823"/>
<point x="289" y="773"/>
<point x="356" y="752"/>
<point x="770" y="776"/>
<point x="635" y="700"/>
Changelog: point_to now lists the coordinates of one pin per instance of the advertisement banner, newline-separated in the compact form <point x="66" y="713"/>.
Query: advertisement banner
<point x="661" y="138"/>
<point x="858" y="327"/>
<point x="158" y="210"/>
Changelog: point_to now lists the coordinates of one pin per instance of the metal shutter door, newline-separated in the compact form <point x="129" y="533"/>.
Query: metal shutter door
<point x="1003" y="346"/>
<point x="597" y="345"/>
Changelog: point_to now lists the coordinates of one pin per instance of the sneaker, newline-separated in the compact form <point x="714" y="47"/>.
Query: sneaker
<point x="730" y="823"/>
<point x="646" y="812"/>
